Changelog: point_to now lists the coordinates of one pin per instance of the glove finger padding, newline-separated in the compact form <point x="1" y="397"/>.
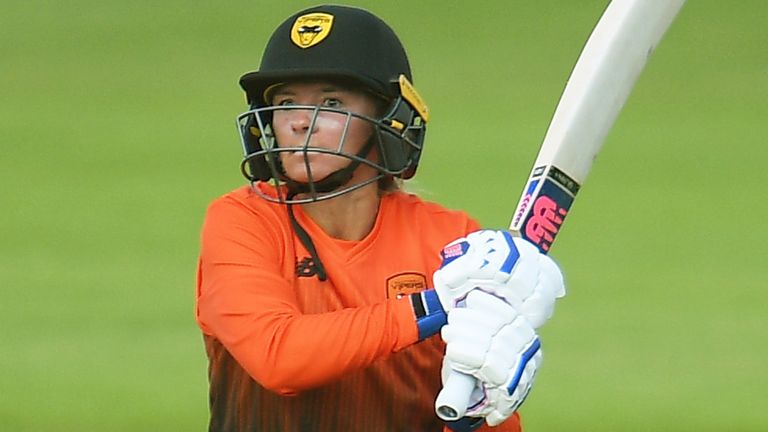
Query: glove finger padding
<point x="490" y="341"/>
<point x="509" y="267"/>
<point x="471" y="329"/>
<point x="484" y="257"/>
<point x="540" y="305"/>
<point x="505" y="400"/>
<point x="504" y="353"/>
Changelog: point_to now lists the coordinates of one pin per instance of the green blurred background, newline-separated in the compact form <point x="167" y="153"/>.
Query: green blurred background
<point x="117" y="129"/>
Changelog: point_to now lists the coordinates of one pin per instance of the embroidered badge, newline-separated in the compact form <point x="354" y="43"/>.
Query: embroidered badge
<point x="310" y="29"/>
<point x="404" y="284"/>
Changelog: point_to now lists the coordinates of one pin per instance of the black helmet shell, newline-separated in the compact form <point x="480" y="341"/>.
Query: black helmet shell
<point x="335" y="42"/>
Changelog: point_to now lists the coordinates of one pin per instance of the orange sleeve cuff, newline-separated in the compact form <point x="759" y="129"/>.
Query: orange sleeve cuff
<point x="405" y="316"/>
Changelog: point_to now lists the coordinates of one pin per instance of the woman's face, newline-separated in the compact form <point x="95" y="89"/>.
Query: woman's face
<point x="292" y="127"/>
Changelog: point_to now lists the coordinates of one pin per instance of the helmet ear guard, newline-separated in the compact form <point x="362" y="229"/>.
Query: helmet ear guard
<point x="408" y="119"/>
<point x="255" y="166"/>
<point x="403" y="139"/>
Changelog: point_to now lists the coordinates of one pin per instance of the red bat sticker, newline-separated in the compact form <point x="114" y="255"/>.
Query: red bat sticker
<point x="545" y="222"/>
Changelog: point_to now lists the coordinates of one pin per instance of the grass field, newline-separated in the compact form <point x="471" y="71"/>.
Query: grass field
<point x="117" y="129"/>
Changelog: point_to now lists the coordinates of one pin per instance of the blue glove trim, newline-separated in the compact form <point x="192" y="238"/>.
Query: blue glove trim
<point x="430" y="315"/>
<point x="526" y="357"/>
<point x="465" y="424"/>
<point x="513" y="256"/>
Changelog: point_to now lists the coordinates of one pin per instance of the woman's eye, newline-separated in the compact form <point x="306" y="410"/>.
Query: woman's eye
<point x="332" y="103"/>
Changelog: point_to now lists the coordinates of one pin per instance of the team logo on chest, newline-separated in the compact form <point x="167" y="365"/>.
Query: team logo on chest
<point x="306" y="267"/>
<point x="309" y="30"/>
<point x="404" y="284"/>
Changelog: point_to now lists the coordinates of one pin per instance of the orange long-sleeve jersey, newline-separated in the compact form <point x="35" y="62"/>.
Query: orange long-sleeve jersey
<point x="288" y="352"/>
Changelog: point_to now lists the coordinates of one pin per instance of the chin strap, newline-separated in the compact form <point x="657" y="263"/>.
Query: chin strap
<point x="333" y="180"/>
<point x="306" y="240"/>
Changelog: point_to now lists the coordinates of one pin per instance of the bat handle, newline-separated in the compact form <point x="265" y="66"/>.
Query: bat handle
<point x="452" y="402"/>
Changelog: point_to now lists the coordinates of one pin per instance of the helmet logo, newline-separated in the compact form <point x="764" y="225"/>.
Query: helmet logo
<point x="311" y="29"/>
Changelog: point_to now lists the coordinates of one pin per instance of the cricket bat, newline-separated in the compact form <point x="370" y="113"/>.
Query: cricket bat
<point x="602" y="79"/>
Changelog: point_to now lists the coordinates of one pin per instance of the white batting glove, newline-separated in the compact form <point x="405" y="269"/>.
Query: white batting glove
<point x="490" y="341"/>
<point x="507" y="266"/>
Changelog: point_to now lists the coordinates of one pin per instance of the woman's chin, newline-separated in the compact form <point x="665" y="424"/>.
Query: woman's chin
<point x="301" y="175"/>
<point x="298" y="172"/>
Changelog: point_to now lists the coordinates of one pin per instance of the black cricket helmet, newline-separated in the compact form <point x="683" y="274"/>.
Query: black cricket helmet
<point x="338" y="44"/>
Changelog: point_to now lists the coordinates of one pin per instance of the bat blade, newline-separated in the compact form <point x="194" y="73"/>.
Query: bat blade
<point x="600" y="83"/>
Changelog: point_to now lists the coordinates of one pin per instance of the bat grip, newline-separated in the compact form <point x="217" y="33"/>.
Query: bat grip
<point x="452" y="402"/>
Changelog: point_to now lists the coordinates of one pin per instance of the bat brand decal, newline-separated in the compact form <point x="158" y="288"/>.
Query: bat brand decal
<point x="563" y="180"/>
<point x="545" y="222"/>
<point x="547" y="214"/>
<point x="310" y="29"/>
<point x="525" y="202"/>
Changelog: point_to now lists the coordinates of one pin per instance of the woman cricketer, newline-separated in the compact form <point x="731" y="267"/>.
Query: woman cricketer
<point x="330" y="299"/>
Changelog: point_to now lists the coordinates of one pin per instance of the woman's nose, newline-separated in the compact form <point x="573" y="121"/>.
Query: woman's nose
<point x="301" y="120"/>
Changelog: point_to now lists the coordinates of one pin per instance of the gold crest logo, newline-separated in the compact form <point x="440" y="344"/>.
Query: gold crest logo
<point x="309" y="30"/>
<point x="404" y="284"/>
